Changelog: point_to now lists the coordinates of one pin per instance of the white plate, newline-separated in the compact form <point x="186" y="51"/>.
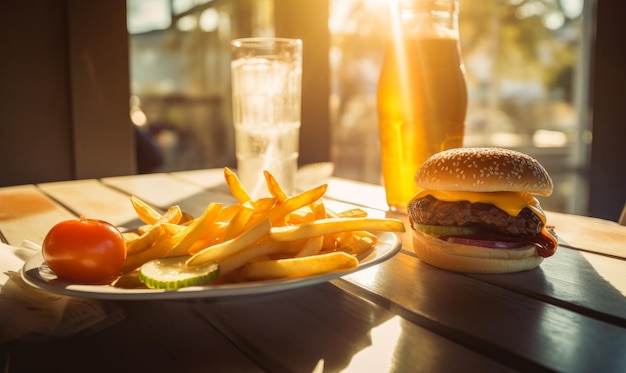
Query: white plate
<point x="37" y="274"/>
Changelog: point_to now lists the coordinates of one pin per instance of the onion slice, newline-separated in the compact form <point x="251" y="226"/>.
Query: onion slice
<point x="490" y="244"/>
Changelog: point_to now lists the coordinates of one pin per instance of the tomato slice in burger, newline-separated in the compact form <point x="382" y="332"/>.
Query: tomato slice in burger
<point x="491" y="244"/>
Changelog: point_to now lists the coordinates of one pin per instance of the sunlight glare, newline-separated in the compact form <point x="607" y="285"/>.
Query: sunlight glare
<point x="367" y="277"/>
<point x="138" y="117"/>
<point x="209" y="20"/>
<point x="603" y="268"/>
<point x="549" y="139"/>
<point x="187" y="23"/>
<point x="147" y="15"/>
<point x="572" y="8"/>
<point x="379" y="356"/>
<point x="400" y="52"/>
<point x="554" y="20"/>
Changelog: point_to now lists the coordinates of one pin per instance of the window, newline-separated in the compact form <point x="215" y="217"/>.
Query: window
<point x="527" y="64"/>
<point x="180" y="76"/>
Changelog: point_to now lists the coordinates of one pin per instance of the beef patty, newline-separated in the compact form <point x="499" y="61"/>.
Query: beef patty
<point x="431" y="211"/>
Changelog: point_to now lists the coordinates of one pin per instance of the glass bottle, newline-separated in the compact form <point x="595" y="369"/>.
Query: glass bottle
<point x="422" y="93"/>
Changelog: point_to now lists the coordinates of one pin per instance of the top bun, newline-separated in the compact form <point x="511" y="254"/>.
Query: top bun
<point x="484" y="170"/>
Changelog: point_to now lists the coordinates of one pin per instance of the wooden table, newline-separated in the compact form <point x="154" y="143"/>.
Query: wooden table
<point x="402" y="315"/>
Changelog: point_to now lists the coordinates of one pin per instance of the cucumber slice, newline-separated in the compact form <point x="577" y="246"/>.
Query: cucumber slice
<point x="172" y="273"/>
<point x="441" y="230"/>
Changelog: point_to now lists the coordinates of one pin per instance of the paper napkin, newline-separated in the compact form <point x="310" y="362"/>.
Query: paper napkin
<point x="31" y="314"/>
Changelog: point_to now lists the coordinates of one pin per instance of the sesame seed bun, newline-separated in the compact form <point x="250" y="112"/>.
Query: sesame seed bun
<point x="484" y="170"/>
<point x="473" y="259"/>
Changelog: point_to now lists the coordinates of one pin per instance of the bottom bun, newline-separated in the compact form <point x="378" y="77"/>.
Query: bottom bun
<point x="473" y="259"/>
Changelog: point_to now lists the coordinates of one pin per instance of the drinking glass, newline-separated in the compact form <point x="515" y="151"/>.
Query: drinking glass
<point x="266" y="92"/>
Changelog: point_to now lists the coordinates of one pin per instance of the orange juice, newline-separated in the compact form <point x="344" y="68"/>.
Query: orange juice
<point x="422" y="102"/>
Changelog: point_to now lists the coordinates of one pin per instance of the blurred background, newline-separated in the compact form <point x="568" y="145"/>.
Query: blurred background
<point x="114" y="87"/>
<point x="527" y="64"/>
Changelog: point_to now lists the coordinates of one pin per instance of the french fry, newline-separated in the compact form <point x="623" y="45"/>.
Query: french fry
<point x="344" y="239"/>
<point x="262" y="206"/>
<point x="293" y="203"/>
<point x="158" y="250"/>
<point x="255" y="252"/>
<point x="152" y="233"/>
<point x="145" y="213"/>
<point x="314" y="211"/>
<point x="363" y="244"/>
<point x="173" y="215"/>
<point x="165" y="247"/>
<point x="146" y="240"/>
<point x="239" y="221"/>
<point x="323" y="227"/>
<point x="299" y="267"/>
<point x="239" y="259"/>
<point x="299" y="216"/>
<point x="228" y="212"/>
<point x="202" y="244"/>
<point x="144" y="228"/>
<point x="194" y="231"/>
<point x="236" y="188"/>
<point x="213" y="234"/>
<point x="230" y="247"/>
<point x="173" y="229"/>
<point x="274" y="188"/>
<point x="330" y="242"/>
<point x="185" y="219"/>
<point x="312" y="247"/>
<point x="358" y="242"/>
<point x="130" y="235"/>
<point x="319" y="209"/>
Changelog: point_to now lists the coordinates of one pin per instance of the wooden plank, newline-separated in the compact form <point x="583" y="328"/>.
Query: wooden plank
<point x="212" y="178"/>
<point x="164" y="191"/>
<point x="517" y="330"/>
<point x="588" y="283"/>
<point x="590" y="234"/>
<point x="154" y="337"/>
<point x="92" y="199"/>
<point x="291" y="331"/>
<point x="358" y="193"/>
<point x="27" y="214"/>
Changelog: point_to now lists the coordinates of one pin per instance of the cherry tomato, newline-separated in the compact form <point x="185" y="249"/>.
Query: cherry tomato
<point x="84" y="250"/>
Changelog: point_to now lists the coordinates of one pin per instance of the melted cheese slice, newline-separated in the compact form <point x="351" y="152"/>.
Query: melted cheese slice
<point x="510" y="202"/>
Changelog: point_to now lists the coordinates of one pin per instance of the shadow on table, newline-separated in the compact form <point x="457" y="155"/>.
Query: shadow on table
<point x="292" y="330"/>
<point x="587" y="283"/>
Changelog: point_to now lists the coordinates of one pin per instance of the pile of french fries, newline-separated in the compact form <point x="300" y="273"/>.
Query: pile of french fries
<point x="267" y="238"/>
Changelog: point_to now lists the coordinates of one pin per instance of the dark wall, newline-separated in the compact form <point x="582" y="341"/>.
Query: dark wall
<point x="64" y="91"/>
<point x="35" y="138"/>
<point x="608" y="152"/>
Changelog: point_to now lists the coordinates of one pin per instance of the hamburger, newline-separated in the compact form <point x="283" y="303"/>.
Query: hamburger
<point x="476" y="211"/>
